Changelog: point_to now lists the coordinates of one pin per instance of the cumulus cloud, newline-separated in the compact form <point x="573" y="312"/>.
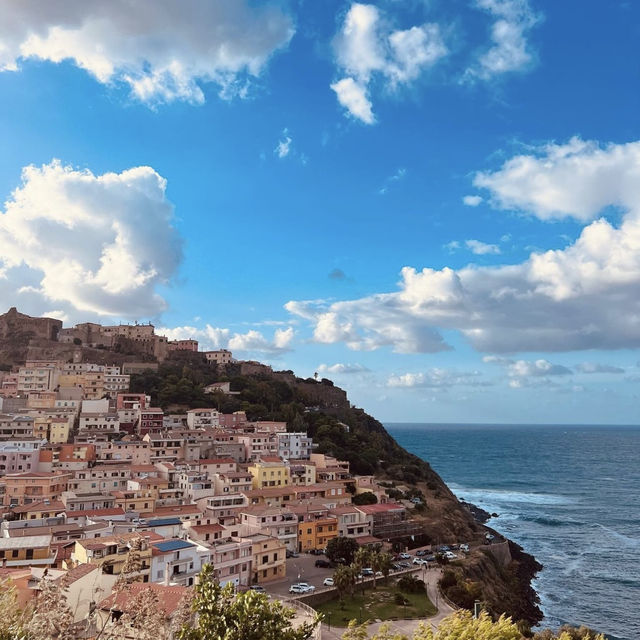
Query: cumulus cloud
<point x="529" y="368"/>
<point x="482" y="248"/>
<point x="577" y="179"/>
<point x="163" y="51"/>
<point x="283" y="147"/>
<point x="252" y="341"/>
<point x="583" y="296"/>
<point x="437" y="378"/>
<point x="368" y="50"/>
<point x="354" y="97"/>
<point x="101" y="245"/>
<point x="342" y="368"/>
<point x="594" y="367"/>
<point x="472" y="201"/>
<point x="510" y="50"/>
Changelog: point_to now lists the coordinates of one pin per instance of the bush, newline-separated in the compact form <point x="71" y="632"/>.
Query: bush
<point x="411" y="584"/>
<point x="364" y="498"/>
<point x="399" y="599"/>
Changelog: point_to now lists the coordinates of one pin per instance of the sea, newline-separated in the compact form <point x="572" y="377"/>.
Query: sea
<point x="570" y="495"/>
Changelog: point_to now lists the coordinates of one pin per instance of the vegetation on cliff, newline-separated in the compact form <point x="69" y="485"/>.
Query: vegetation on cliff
<point x="349" y="433"/>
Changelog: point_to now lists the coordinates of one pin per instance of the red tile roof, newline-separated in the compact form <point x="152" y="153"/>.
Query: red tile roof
<point x="169" y="597"/>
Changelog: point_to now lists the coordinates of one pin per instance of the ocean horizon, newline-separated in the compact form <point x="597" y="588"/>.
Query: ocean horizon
<point x="566" y="493"/>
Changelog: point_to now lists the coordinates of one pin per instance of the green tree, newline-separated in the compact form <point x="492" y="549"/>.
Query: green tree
<point x="344" y="580"/>
<point x="365" y="498"/>
<point x="342" y="548"/>
<point x="221" y="614"/>
<point x="566" y="632"/>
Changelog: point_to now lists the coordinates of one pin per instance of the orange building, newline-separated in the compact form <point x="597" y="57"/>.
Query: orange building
<point x="25" y="488"/>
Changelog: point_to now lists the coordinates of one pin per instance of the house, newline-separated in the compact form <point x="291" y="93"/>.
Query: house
<point x="270" y="471"/>
<point x="111" y="608"/>
<point x="23" y="551"/>
<point x="177" y="561"/>
<point x="269" y="558"/>
<point x="315" y="533"/>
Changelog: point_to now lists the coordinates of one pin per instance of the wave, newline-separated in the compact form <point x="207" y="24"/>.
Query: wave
<point x="620" y="537"/>
<point x="499" y="497"/>
<point x="548" y="521"/>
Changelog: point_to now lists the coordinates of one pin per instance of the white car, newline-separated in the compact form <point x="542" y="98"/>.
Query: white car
<point x="449" y="555"/>
<point x="405" y="556"/>
<point x="419" y="561"/>
<point x="328" y="582"/>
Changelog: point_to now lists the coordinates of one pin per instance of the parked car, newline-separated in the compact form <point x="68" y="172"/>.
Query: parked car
<point x="449" y="555"/>
<point x="301" y="587"/>
<point x="405" y="556"/>
<point x="430" y="558"/>
<point x="464" y="548"/>
<point x="258" y="588"/>
<point x="295" y="588"/>
<point x="421" y="552"/>
<point x="416" y="501"/>
<point x="291" y="554"/>
<point x="316" y="552"/>
<point x="323" y="564"/>
<point x="396" y="567"/>
<point x="328" y="582"/>
<point x="405" y="565"/>
<point x="419" y="561"/>
<point x="367" y="572"/>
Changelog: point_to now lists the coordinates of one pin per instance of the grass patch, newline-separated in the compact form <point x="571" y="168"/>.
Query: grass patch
<point x="378" y="604"/>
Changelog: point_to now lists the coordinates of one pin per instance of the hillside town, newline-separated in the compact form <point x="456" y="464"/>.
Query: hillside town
<point x="91" y="472"/>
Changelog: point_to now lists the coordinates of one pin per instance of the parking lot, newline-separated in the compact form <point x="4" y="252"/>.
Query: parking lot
<point x="301" y="569"/>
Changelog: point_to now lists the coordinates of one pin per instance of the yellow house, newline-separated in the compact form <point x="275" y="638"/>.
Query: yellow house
<point x="111" y="553"/>
<point x="55" y="430"/>
<point x="315" y="534"/>
<point x="25" y="551"/>
<point x="269" y="558"/>
<point x="135" y="500"/>
<point x="270" y="471"/>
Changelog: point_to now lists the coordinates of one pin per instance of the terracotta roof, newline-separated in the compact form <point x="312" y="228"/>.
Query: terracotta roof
<point x="96" y="513"/>
<point x="169" y="597"/>
<point x="56" y="505"/>
<point x="79" y="572"/>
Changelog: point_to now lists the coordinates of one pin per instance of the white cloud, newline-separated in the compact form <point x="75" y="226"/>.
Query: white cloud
<point x="398" y="175"/>
<point x="252" y="341"/>
<point x="452" y="246"/>
<point x="437" y="378"/>
<point x="353" y="96"/>
<point x="482" y="248"/>
<point x="584" y="296"/>
<point x="162" y="52"/>
<point x="510" y="50"/>
<point x="283" y="147"/>
<point x="368" y="49"/>
<point x="594" y="367"/>
<point x="99" y="245"/>
<point x="529" y="368"/>
<point x="342" y="368"/>
<point x="577" y="179"/>
<point x="472" y="201"/>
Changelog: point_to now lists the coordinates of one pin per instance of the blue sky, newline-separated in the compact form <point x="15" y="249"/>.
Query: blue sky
<point x="435" y="204"/>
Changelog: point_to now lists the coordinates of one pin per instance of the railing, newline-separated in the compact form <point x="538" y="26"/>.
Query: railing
<point x="309" y="611"/>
